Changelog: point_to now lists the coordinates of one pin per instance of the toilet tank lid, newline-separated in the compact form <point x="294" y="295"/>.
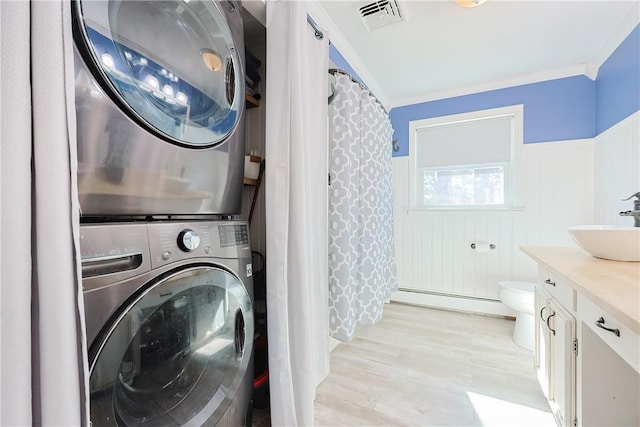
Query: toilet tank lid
<point x="520" y="286"/>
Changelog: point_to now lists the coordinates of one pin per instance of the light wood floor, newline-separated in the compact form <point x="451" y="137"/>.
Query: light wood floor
<point x="429" y="367"/>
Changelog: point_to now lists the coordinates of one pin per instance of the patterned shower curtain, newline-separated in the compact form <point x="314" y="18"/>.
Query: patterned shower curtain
<point x="362" y="271"/>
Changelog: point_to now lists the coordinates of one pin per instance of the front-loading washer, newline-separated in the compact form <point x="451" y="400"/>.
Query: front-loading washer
<point x="159" y="89"/>
<point x="169" y="323"/>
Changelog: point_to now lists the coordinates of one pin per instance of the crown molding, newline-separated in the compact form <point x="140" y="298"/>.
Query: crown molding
<point x="621" y="32"/>
<point x="556" y="73"/>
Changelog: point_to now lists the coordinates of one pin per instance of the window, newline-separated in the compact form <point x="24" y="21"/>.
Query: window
<point x="466" y="160"/>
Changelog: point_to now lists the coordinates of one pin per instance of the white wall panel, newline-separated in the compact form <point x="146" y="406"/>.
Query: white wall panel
<point x="559" y="181"/>
<point x="440" y="258"/>
<point x="433" y="246"/>
<point x="617" y="170"/>
<point x="400" y="194"/>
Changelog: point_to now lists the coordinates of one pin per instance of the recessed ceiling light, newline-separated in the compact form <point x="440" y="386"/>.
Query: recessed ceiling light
<point x="108" y="61"/>
<point x="152" y="82"/>
<point x="167" y="90"/>
<point x="181" y="97"/>
<point x="211" y="59"/>
<point x="470" y="3"/>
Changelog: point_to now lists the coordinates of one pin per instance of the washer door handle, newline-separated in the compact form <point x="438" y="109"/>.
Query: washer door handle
<point x="239" y="335"/>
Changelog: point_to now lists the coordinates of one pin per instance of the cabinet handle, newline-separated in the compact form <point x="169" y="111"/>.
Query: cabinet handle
<point x="600" y="324"/>
<point x="549" y="282"/>
<point x="549" y="326"/>
<point x="542" y="315"/>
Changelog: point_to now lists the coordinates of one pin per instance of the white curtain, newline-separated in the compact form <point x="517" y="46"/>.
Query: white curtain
<point x="362" y="272"/>
<point x="42" y="349"/>
<point x="296" y="212"/>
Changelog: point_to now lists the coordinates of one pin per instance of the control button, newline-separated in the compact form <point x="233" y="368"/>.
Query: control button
<point x="207" y="249"/>
<point x="166" y="256"/>
<point x="188" y="240"/>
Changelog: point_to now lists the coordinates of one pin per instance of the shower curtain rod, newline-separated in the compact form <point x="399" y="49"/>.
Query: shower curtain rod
<point x="316" y="31"/>
<point x="335" y="71"/>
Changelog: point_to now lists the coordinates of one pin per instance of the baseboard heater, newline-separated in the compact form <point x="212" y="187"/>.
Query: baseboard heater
<point x="465" y="303"/>
<point x="444" y="294"/>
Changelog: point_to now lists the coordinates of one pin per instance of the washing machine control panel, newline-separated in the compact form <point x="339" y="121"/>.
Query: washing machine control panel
<point x="233" y="235"/>
<point x="188" y="240"/>
<point x="175" y="242"/>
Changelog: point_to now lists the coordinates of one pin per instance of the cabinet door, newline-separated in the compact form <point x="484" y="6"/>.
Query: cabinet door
<point x="562" y="327"/>
<point x="610" y="386"/>
<point x="542" y="338"/>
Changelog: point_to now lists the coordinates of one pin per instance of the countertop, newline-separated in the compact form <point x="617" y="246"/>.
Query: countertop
<point x="614" y="286"/>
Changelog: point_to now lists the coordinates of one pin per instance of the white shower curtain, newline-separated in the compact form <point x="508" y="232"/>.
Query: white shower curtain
<point x="42" y="350"/>
<point x="362" y="264"/>
<point x="296" y="212"/>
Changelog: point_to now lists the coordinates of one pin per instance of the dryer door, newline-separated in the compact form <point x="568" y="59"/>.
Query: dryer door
<point x="172" y="66"/>
<point x="176" y="354"/>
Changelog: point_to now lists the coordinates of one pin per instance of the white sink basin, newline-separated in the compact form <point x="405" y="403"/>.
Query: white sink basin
<point x="608" y="241"/>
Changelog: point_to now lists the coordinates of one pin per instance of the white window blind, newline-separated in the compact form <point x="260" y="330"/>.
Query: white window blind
<point x="473" y="142"/>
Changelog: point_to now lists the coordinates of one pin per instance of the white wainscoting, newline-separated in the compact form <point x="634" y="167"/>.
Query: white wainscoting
<point x="434" y="257"/>
<point x="617" y="169"/>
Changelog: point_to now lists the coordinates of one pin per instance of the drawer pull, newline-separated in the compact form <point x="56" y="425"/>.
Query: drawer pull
<point x="542" y="315"/>
<point x="549" y="282"/>
<point x="553" y="331"/>
<point x="600" y="324"/>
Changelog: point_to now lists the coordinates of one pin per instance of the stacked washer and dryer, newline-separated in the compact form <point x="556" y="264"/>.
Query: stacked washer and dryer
<point x="166" y="265"/>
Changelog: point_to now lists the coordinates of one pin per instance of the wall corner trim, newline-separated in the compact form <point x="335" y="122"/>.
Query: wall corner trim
<point x="623" y="30"/>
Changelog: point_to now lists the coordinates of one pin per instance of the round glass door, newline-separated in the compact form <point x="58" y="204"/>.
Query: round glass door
<point x="171" y="65"/>
<point x="176" y="355"/>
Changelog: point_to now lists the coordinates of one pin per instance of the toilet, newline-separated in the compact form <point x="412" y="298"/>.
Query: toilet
<point x="518" y="296"/>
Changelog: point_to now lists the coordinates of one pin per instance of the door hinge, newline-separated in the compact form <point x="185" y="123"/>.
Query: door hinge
<point x="575" y="422"/>
<point x="329" y="179"/>
<point x="575" y="346"/>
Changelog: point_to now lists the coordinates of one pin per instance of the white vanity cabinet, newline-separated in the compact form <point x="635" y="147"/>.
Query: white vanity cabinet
<point x="562" y="363"/>
<point x="555" y="350"/>
<point x="610" y="386"/>
<point x="587" y="352"/>
<point x="541" y="354"/>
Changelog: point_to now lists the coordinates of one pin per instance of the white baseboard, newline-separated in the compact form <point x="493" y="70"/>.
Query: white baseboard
<point x="333" y="343"/>
<point x="470" y="305"/>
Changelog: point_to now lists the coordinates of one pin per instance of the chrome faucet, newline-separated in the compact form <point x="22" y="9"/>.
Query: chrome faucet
<point x="635" y="213"/>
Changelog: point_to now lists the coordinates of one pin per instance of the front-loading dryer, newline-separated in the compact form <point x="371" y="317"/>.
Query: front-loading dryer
<point x="159" y="89"/>
<point x="169" y="323"/>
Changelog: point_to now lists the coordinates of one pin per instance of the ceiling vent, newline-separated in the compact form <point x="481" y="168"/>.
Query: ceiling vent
<point x="379" y="14"/>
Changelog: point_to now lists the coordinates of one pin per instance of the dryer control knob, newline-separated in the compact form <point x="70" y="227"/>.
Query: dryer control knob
<point x="188" y="240"/>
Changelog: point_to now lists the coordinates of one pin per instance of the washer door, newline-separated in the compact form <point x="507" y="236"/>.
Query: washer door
<point x="172" y="66"/>
<point x="176" y="355"/>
